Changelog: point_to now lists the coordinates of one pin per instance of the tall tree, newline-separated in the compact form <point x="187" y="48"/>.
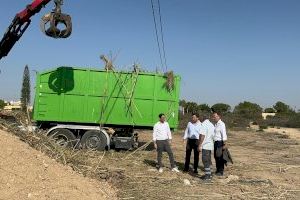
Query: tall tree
<point x="191" y="107"/>
<point x="2" y="104"/>
<point x="204" y="108"/>
<point x="221" y="107"/>
<point x="282" y="108"/>
<point x="248" y="110"/>
<point x="182" y="103"/>
<point x="25" y="91"/>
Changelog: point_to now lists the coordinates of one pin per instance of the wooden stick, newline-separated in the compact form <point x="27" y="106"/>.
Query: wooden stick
<point x="99" y="161"/>
<point x="138" y="149"/>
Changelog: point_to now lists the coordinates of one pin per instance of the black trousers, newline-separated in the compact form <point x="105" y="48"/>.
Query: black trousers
<point x="219" y="156"/>
<point x="164" y="145"/>
<point x="191" y="145"/>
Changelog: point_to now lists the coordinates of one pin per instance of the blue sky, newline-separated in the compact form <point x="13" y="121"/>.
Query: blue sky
<point x="225" y="51"/>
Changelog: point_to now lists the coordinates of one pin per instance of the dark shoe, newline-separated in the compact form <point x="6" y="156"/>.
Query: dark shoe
<point x="185" y="170"/>
<point x="219" y="174"/>
<point x="206" y="178"/>
<point x="195" y="171"/>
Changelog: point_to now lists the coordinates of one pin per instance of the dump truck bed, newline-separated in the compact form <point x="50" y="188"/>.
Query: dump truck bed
<point x="90" y="96"/>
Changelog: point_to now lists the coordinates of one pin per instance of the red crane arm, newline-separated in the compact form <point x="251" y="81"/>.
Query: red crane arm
<point x="19" y="25"/>
<point x="32" y="9"/>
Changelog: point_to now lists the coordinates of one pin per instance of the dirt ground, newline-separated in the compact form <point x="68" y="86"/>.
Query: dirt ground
<point x="266" y="166"/>
<point x="26" y="173"/>
<point x="291" y="132"/>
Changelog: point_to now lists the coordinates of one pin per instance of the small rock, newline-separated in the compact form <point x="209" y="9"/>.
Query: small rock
<point x="186" y="182"/>
<point x="29" y="195"/>
<point x="45" y="164"/>
<point x="233" y="177"/>
<point x="229" y="179"/>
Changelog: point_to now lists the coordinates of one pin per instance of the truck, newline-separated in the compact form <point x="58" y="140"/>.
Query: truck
<point x="99" y="109"/>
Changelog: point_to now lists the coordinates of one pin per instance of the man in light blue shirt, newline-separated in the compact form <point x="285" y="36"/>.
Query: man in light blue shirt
<point x="191" y="137"/>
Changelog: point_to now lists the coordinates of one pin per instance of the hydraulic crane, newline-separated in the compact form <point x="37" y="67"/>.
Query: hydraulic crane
<point x="49" y="24"/>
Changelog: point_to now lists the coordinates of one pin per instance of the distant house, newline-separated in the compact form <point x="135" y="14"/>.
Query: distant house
<point x="13" y="105"/>
<point x="265" y="115"/>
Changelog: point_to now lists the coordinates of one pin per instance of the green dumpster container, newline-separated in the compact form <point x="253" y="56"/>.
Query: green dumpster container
<point x="110" y="98"/>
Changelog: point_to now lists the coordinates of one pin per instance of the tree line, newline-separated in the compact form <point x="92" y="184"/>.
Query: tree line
<point x="246" y="108"/>
<point x="245" y="112"/>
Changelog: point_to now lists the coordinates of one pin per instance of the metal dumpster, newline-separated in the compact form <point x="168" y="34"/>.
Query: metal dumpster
<point x="110" y="98"/>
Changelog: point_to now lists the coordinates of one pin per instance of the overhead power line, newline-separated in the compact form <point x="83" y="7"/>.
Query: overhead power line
<point x="159" y="36"/>
<point x="162" y="36"/>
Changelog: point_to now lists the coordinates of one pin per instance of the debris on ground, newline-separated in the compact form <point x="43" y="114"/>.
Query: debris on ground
<point x="265" y="167"/>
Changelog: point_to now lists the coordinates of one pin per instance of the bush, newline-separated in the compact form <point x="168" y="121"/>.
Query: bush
<point x="290" y="121"/>
<point x="233" y="120"/>
<point x="269" y="110"/>
<point x="183" y="121"/>
<point x="263" y="127"/>
<point x="2" y="104"/>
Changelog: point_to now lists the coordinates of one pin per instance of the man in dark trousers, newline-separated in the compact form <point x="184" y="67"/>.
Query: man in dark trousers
<point x="162" y="139"/>
<point x="191" y="138"/>
<point x="220" y="139"/>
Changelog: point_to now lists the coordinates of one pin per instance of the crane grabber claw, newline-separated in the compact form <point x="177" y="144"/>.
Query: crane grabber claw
<point x="51" y="21"/>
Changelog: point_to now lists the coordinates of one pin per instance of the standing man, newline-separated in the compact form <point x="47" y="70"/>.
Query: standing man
<point x="191" y="138"/>
<point x="220" y="139"/>
<point x="206" y="145"/>
<point x="162" y="139"/>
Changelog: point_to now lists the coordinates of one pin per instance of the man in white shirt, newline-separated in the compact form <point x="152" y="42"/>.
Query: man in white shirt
<point x="206" y="144"/>
<point x="162" y="139"/>
<point x="220" y="138"/>
<point x="191" y="138"/>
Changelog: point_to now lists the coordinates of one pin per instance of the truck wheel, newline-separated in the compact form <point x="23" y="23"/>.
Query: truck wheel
<point x="63" y="137"/>
<point x="95" y="140"/>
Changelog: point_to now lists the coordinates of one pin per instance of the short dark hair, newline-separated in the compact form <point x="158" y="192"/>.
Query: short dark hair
<point x="218" y="113"/>
<point x="160" y="115"/>
<point x="196" y="114"/>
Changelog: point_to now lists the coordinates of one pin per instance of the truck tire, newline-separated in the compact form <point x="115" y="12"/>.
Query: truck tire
<point x="63" y="137"/>
<point x="94" y="140"/>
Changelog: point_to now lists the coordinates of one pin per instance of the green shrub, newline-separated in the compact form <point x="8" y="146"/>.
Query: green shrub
<point x="269" y="110"/>
<point x="2" y="104"/>
<point x="263" y="127"/>
<point x="284" y="120"/>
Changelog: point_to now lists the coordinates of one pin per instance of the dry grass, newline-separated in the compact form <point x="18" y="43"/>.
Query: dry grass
<point x="266" y="167"/>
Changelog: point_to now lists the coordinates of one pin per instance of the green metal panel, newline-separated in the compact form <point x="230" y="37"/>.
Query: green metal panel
<point x="93" y="96"/>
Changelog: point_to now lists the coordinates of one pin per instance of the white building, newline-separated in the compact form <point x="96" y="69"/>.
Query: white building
<point x="265" y="115"/>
